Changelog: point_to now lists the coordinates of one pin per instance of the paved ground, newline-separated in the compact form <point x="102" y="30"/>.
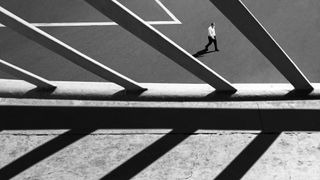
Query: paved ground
<point x="202" y="156"/>
<point x="294" y="24"/>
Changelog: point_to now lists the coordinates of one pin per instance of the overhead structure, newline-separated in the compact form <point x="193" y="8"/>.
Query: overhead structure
<point x="248" y="25"/>
<point x="26" y="29"/>
<point x="138" y="27"/>
<point x="25" y="75"/>
<point x="234" y="10"/>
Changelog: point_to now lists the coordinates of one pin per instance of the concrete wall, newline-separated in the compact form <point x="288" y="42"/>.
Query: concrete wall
<point x="85" y="139"/>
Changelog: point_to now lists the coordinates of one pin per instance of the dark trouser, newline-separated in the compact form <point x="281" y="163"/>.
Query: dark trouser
<point x="212" y="40"/>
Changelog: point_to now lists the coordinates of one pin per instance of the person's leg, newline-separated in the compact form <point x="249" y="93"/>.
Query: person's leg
<point x="215" y="44"/>
<point x="209" y="43"/>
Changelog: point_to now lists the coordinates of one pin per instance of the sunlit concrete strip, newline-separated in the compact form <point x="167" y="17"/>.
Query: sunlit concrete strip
<point x="25" y="75"/>
<point x="269" y="116"/>
<point x="174" y="21"/>
<point x="174" y="18"/>
<point x="134" y="24"/>
<point x="88" y="24"/>
<point x="245" y="21"/>
<point x="26" y="29"/>
<point x="159" y="92"/>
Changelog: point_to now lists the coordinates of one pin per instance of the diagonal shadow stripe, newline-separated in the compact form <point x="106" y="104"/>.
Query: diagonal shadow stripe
<point x="146" y="157"/>
<point x="246" y="159"/>
<point x="42" y="152"/>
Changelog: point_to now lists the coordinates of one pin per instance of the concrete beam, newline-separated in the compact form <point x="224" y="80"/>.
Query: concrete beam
<point x="160" y="92"/>
<point x="267" y="107"/>
<point x="248" y="25"/>
<point x="25" y="75"/>
<point x="26" y="29"/>
<point x="138" y="27"/>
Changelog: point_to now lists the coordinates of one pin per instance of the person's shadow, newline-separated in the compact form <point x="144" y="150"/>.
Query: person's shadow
<point x="202" y="52"/>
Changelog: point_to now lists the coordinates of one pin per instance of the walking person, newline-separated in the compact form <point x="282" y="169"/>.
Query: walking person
<point x="212" y="37"/>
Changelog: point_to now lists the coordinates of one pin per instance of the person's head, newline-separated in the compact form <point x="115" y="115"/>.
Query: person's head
<point x="212" y="24"/>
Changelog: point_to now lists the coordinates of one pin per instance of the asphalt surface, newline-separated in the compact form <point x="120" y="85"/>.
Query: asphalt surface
<point x="294" y="24"/>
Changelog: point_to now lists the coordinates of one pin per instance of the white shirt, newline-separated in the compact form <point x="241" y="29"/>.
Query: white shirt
<point x="212" y="31"/>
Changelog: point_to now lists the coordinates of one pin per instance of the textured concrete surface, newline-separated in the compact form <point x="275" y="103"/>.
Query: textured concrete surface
<point x="203" y="155"/>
